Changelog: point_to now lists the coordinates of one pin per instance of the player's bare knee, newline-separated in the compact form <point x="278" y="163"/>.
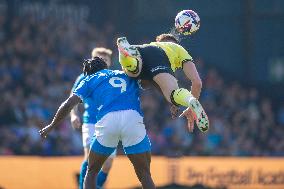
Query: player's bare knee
<point x="167" y="84"/>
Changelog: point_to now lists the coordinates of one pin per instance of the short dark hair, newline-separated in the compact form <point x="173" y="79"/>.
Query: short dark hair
<point x="91" y="66"/>
<point x="167" y="37"/>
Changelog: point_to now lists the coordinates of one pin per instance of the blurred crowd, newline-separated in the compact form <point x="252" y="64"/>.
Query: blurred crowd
<point x="40" y="60"/>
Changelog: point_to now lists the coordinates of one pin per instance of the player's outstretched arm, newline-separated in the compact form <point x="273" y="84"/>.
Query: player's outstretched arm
<point x="192" y="74"/>
<point x="61" y="113"/>
<point x="74" y="114"/>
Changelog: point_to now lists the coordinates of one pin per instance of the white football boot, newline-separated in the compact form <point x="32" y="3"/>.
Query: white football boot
<point x="129" y="51"/>
<point x="199" y="114"/>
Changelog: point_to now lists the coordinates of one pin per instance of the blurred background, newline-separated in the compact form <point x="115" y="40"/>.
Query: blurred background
<point x="238" y="50"/>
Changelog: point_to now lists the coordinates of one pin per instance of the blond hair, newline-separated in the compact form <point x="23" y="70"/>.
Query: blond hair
<point x="101" y="50"/>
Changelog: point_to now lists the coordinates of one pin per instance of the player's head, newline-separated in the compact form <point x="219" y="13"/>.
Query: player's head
<point x="91" y="66"/>
<point x="166" y="37"/>
<point x="103" y="53"/>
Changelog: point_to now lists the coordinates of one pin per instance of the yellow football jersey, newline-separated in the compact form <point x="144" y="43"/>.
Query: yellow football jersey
<point x="176" y="53"/>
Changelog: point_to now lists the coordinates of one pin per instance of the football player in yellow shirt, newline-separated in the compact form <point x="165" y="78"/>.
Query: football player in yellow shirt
<point x="157" y="62"/>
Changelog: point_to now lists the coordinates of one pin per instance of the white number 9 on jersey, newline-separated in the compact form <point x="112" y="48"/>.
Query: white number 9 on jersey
<point x="118" y="82"/>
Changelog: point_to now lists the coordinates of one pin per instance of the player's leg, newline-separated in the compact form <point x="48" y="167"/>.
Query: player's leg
<point x="103" y="145"/>
<point x="95" y="162"/>
<point x="141" y="163"/>
<point x="129" y="57"/>
<point x="103" y="174"/>
<point x="88" y="131"/>
<point x="137" y="146"/>
<point x="107" y="165"/>
<point x="87" y="134"/>
<point x="84" y="167"/>
<point x="98" y="154"/>
<point x="181" y="96"/>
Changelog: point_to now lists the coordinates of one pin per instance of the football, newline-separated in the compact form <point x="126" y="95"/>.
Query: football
<point x="187" y="22"/>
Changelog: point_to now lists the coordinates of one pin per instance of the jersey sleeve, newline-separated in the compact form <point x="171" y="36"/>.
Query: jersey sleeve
<point x="77" y="82"/>
<point x="82" y="90"/>
<point x="183" y="55"/>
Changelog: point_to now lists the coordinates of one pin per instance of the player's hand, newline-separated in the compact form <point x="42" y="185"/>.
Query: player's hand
<point x="76" y="122"/>
<point x="44" y="131"/>
<point x="190" y="118"/>
<point x="174" y="111"/>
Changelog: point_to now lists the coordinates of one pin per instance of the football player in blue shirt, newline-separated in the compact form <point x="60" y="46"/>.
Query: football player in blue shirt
<point x="116" y="98"/>
<point x="89" y="120"/>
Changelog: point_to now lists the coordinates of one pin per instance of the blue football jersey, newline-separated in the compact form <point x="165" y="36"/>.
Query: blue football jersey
<point x="90" y="113"/>
<point x="109" y="90"/>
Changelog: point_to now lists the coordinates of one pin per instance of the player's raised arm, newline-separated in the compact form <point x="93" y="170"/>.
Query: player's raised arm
<point x="74" y="113"/>
<point x="62" y="112"/>
<point x="192" y="74"/>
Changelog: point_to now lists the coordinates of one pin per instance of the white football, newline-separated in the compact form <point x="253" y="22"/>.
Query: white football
<point x="187" y="22"/>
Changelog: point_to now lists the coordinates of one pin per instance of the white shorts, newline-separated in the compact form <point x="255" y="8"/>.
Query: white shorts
<point x="126" y="126"/>
<point x="88" y="134"/>
<point x="88" y="131"/>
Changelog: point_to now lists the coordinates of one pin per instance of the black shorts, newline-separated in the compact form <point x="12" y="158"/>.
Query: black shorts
<point x="154" y="61"/>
